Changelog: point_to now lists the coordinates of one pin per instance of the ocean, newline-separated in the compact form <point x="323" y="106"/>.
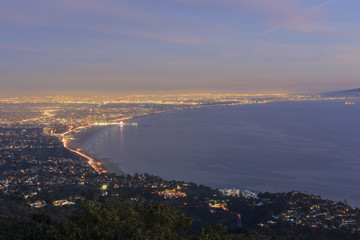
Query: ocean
<point x="312" y="146"/>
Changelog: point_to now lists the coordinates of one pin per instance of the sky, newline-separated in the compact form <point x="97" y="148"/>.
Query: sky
<point x="179" y="45"/>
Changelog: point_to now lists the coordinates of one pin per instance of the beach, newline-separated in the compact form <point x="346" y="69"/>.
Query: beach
<point x="84" y="139"/>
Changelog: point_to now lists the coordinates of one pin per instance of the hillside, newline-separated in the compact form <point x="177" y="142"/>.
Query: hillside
<point x="346" y="93"/>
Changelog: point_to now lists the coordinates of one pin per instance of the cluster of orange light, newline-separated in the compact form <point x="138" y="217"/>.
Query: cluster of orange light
<point x="90" y="160"/>
<point x="218" y="205"/>
<point x="172" y="193"/>
<point x="223" y="207"/>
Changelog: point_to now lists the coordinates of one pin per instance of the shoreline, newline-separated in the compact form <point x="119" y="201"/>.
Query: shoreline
<point x="82" y="141"/>
<point x="143" y="119"/>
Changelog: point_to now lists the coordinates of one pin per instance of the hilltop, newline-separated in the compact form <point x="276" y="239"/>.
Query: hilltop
<point x="346" y="93"/>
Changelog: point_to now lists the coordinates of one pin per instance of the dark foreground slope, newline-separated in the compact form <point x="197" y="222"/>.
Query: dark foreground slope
<point x="120" y="219"/>
<point x="112" y="220"/>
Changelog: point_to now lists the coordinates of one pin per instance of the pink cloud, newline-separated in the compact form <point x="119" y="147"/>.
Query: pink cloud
<point x="287" y="14"/>
<point x="117" y="17"/>
<point x="345" y="57"/>
<point x="126" y="18"/>
<point x="43" y="12"/>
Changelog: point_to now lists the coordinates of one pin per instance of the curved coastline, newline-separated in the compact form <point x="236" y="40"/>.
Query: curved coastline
<point x="84" y="140"/>
<point x="280" y="171"/>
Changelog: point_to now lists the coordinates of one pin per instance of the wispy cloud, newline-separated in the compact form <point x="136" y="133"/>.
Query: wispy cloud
<point x="317" y="7"/>
<point x="270" y="30"/>
<point x="127" y="17"/>
<point x="288" y="14"/>
<point x="303" y="19"/>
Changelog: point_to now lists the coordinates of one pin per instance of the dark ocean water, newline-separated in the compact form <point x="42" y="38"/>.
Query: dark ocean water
<point x="304" y="146"/>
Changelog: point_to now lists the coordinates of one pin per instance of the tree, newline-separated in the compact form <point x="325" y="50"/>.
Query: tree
<point x="119" y="220"/>
<point x="218" y="232"/>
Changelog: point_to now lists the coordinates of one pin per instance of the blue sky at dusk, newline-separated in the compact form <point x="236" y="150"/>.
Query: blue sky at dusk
<point x="204" y="45"/>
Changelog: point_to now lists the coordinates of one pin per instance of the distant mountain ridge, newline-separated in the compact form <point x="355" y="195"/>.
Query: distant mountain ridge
<point x="347" y="93"/>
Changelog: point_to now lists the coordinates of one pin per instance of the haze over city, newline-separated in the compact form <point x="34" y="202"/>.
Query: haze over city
<point x="180" y="119"/>
<point x="178" y="45"/>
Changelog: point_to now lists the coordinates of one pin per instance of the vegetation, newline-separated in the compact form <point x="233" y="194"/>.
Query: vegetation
<point x="112" y="220"/>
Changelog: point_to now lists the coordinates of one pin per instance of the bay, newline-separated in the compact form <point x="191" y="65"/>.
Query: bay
<point x="312" y="147"/>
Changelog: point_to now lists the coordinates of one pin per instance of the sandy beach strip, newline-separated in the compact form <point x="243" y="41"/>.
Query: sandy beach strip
<point x="83" y="139"/>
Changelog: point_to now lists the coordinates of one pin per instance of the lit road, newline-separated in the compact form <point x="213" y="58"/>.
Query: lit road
<point x="90" y="160"/>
